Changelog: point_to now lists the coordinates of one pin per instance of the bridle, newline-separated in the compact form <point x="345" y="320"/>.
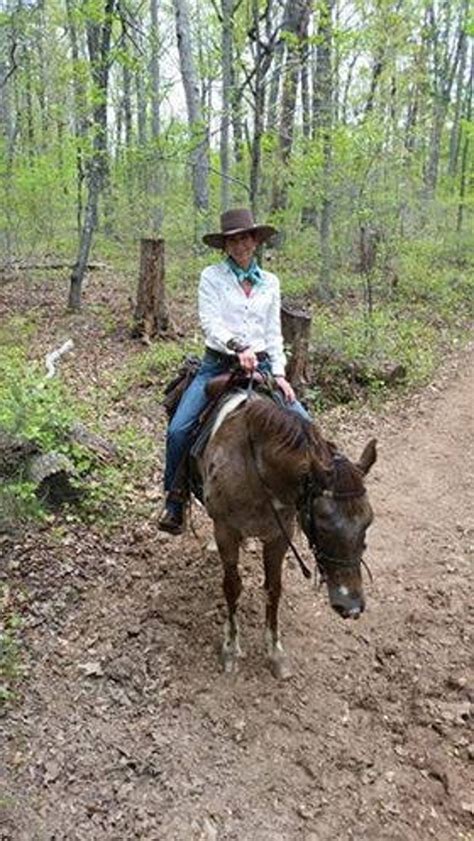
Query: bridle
<point x="305" y="508"/>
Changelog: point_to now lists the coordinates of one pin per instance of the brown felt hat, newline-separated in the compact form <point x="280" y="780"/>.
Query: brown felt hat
<point x="239" y="220"/>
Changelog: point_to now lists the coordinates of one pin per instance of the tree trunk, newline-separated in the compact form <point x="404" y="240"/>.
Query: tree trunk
<point x="155" y="70"/>
<point x="199" y="155"/>
<point x="274" y="92"/>
<point x="141" y="98"/>
<point x="98" y="41"/>
<point x="80" y="126"/>
<point x="305" y="89"/>
<point x="127" y="105"/>
<point x="323" y="116"/>
<point x="465" y="149"/>
<point x="296" y="329"/>
<point x="227" y="9"/>
<point x="258" y="112"/>
<point x="151" y="317"/>
<point x="156" y="177"/>
<point x="445" y="67"/>
<point x="377" y="69"/>
<point x="297" y="17"/>
<point x="456" y="126"/>
<point x="236" y="115"/>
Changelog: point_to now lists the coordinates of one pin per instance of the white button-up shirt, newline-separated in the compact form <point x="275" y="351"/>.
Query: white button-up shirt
<point x="225" y="313"/>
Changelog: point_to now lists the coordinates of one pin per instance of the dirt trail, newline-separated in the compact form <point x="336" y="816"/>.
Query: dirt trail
<point x="127" y="728"/>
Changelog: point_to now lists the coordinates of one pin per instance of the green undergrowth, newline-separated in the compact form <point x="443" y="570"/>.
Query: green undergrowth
<point x="418" y="312"/>
<point x="32" y="406"/>
<point x="153" y="368"/>
<point x="40" y="413"/>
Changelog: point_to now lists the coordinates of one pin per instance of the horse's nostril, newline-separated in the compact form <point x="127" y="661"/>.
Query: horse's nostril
<point x="349" y="611"/>
<point x="341" y="610"/>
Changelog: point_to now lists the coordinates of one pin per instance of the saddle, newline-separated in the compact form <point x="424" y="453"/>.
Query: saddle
<point x="177" y="386"/>
<point x="218" y="389"/>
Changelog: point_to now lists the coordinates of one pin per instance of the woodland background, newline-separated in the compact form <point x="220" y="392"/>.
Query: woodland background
<point x="346" y="124"/>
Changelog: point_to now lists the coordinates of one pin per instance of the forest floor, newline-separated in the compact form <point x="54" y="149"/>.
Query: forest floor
<point x="124" y="726"/>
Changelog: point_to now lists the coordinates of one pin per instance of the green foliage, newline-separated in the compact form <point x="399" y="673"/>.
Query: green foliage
<point x="410" y="323"/>
<point x="437" y="275"/>
<point x="33" y="409"/>
<point x="410" y="342"/>
<point x="156" y="365"/>
<point x="31" y="406"/>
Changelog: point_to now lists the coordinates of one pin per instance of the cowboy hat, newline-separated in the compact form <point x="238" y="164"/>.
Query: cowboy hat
<point x="239" y="220"/>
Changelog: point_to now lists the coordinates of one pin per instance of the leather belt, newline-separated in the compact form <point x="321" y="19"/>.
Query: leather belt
<point x="262" y="355"/>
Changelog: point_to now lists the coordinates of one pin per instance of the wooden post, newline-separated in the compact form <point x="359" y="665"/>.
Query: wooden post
<point x="296" y="328"/>
<point x="151" y="316"/>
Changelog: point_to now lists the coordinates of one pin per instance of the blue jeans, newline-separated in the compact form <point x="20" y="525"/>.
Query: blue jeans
<point x="192" y="403"/>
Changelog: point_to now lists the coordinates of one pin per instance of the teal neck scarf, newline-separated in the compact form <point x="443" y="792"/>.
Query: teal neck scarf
<point x="253" y="273"/>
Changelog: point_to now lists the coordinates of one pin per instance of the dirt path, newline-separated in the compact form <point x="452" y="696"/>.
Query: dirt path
<point x="128" y="730"/>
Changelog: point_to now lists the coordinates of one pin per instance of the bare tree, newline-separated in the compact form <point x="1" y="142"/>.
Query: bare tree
<point x="465" y="147"/>
<point x="456" y="125"/>
<point x="323" y="119"/>
<point x="98" y="43"/>
<point x="227" y="12"/>
<point x="199" y="158"/>
<point x="297" y="14"/>
<point x="79" y="117"/>
<point x="446" y="50"/>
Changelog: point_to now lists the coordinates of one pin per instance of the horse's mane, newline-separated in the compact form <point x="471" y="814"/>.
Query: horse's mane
<point x="286" y="429"/>
<point x="294" y="434"/>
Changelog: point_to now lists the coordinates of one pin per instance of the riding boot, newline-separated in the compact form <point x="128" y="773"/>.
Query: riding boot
<point x="172" y="520"/>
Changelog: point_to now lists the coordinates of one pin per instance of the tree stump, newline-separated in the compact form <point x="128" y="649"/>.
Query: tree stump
<point x="151" y="316"/>
<point x="296" y="328"/>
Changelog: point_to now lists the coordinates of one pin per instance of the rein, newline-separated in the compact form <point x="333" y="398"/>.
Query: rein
<point x="304" y="569"/>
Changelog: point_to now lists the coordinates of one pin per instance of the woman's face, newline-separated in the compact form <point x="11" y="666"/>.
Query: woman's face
<point x="241" y="247"/>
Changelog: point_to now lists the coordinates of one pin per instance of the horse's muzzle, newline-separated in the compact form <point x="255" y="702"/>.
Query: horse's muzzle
<point x="347" y="605"/>
<point x="349" y="613"/>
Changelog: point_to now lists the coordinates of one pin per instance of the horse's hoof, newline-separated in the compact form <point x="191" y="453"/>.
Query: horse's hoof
<point x="281" y="669"/>
<point x="230" y="658"/>
<point x="230" y="665"/>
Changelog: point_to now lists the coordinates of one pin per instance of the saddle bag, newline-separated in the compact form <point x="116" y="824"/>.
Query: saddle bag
<point x="175" y="389"/>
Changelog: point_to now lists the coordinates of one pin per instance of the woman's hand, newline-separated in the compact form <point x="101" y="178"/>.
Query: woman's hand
<point x="286" y="388"/>
<point x="247" y="360"/>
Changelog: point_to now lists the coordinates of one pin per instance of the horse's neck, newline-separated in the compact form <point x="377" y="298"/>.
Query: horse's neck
<point x="281" y="471"/>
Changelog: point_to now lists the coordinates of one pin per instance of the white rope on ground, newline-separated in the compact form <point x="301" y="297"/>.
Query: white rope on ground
<point x="54" y="357"/>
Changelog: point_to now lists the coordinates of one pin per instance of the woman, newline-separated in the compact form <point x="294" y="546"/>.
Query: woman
<point x="239" y="311"/>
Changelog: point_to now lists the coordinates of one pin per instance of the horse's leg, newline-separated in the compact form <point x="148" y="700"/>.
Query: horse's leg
<point x="228" y="543"/>
<point x="273" y="554"/>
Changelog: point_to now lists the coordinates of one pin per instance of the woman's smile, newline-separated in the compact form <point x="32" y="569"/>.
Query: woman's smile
<point x="241" y="248"/>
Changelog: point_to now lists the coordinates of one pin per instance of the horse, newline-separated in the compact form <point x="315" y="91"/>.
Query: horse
<point x="263" y="468"/>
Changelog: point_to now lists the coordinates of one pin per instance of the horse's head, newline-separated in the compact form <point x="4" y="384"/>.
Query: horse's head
<point x="335" y="515"/>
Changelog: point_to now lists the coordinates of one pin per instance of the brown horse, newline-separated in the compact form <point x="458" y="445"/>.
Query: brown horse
<point x="262" y="467"/>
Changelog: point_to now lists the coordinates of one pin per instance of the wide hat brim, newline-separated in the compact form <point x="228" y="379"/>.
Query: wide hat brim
<point x="261" y="232"/>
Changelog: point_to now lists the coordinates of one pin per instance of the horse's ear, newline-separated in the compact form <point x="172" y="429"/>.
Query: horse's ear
<point x="368" y="457"/>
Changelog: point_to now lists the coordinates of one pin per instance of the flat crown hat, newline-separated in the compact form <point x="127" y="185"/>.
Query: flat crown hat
<point x="239" y="220"/>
